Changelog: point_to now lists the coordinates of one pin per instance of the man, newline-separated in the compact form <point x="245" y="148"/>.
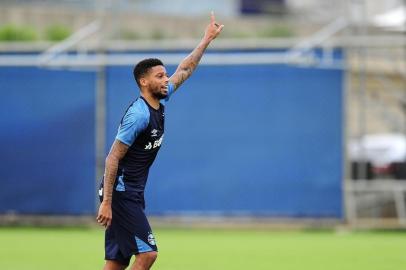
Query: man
<point x="136" y="145"/>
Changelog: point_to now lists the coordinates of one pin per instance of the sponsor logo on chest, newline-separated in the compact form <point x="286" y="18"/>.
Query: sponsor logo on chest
<point x="155" y="144"/>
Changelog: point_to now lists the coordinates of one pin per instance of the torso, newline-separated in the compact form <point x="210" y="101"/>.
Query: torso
<point x="134" y="167"/>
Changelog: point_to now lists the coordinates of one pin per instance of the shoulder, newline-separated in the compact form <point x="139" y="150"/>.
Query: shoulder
<point x="138" y="110"/>
<point x="135" y="120"/>
<point x="139" y="107"/>
<point x="136" y="115"/>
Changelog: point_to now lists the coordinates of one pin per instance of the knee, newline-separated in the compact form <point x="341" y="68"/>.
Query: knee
<point x="113" y="265"/>
<point x="148" y="258"/>
<point x="152" y="256"/>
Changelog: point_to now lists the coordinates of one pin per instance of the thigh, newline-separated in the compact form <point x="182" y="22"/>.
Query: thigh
<point x="131" y="226"/>
<point x="113" y="254"/>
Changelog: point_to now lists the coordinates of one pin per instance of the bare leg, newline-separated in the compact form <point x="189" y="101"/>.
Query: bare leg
<point x="113" y="265"/>
<point x="144" y="261"/>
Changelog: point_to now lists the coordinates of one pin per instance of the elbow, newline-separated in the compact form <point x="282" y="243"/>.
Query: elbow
<point x="111" y="160"/>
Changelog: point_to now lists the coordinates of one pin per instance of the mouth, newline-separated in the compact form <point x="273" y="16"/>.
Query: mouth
<point x="165" y="88"/>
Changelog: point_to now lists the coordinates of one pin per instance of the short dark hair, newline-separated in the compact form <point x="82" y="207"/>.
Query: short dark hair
<point x="143" y="67"/>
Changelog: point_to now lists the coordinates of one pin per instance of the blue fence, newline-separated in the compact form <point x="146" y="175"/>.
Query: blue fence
<point x="47" y="141"/>
<point x="244" y="139"/>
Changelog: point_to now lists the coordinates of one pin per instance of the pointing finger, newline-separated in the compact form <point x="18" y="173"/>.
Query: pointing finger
<point x="212" y="18"/>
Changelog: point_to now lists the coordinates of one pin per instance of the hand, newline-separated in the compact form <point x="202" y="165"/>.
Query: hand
<point x="105" y="214"/>
<point x="213" y="29"/>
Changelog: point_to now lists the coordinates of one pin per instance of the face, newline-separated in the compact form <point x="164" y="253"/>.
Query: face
<point x="156" y="82"/>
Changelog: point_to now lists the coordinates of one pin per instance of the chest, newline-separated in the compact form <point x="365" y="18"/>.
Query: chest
<point x="151" y="138"/>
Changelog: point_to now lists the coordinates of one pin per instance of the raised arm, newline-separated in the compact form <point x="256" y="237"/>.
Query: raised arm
<point x="117" y="152"/>
<point x="189" y="64"/>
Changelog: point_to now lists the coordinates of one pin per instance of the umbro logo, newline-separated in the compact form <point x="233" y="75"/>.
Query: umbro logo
<point x="154" y="133"/>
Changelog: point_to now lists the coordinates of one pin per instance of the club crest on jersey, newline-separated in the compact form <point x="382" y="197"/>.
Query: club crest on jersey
<point x="156" y="144"/>
<point x="151" y="239"/>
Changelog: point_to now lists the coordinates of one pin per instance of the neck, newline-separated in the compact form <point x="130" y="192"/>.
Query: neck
<point x="152" y="101"/>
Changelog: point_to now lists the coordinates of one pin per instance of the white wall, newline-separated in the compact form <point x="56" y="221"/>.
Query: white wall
<point x="330" y="9"/>
<point x="189" y="8"/>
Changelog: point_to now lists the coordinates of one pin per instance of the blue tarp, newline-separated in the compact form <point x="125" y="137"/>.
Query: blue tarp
<point x="244" y="139"/>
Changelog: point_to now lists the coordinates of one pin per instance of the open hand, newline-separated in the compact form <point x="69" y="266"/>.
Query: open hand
<point x="213" y="29"/>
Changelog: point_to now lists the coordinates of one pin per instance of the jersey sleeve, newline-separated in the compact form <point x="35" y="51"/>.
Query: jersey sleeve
<point x="134" y="122"/>
<point x="171" y="89"/>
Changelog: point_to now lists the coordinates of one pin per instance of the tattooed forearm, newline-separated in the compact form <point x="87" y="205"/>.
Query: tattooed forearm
<point x="109" y="178"/>
<point x="189" y="64"/>
<point x="117" y="152"/>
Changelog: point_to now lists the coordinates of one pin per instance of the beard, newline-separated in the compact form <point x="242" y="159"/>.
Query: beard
<point x="159" y="95"/>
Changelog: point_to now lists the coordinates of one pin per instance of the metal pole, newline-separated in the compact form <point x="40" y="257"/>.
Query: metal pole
<point x="348" y="196"/>
<point x="362" y="91"/>
<point x="403" y="70"/>
<point x="100" y="129"/>
<point x="346" y="177"/>
<point x="100" y="110"/>
<point x="399" y="196"/>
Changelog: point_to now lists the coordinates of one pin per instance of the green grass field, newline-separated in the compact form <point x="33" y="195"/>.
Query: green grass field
<point x="76" y="249"/>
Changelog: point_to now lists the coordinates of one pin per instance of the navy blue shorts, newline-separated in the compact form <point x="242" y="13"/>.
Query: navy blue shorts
<point x="129" y="233"/>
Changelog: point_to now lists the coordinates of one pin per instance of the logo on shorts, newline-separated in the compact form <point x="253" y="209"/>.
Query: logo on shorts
<point x="151" y="239"/>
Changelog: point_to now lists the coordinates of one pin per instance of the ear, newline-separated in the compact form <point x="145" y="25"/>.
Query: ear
<point x="143" y="81"/>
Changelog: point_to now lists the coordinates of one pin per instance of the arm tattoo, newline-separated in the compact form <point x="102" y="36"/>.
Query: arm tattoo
<point x="117" y="152"/>
<point x="188" y="65"/>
